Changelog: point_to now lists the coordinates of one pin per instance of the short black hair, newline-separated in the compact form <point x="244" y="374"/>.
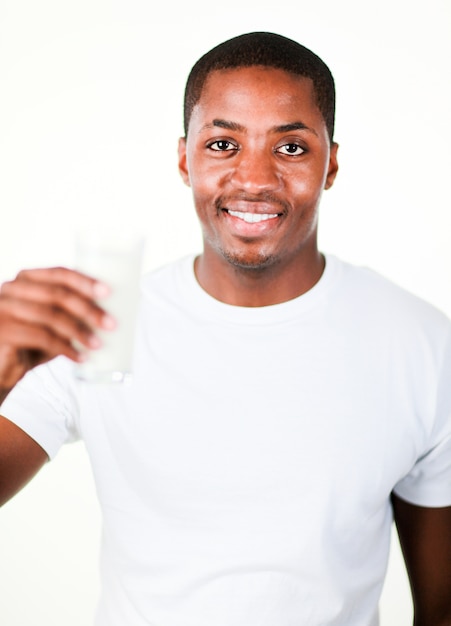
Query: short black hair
<point x="270" y="50"/>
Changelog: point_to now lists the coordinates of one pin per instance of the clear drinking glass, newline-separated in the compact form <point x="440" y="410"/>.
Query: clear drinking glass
<point x="114" y="258"/>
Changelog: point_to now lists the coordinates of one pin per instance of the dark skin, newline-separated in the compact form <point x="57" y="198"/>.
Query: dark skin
<point x="41" y="313"/>
<point x="257" y="147"/>
<point x="425" y="538"/>
<point x="257" y="158"/>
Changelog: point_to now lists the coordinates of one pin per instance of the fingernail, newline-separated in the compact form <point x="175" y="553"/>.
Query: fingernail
<point x="108" y="322"/>
<point x="94" y="342"/>
<point x="101" y="290"/>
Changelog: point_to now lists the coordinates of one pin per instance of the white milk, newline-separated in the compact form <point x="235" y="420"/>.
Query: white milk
<point x="118" y="264"/>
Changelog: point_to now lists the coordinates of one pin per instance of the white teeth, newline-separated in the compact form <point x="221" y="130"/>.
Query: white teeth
<point x="252" y="218"/>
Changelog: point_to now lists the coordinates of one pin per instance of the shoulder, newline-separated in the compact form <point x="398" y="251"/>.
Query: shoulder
<point x="379" y="298"/>
<point x="168" y="278"/>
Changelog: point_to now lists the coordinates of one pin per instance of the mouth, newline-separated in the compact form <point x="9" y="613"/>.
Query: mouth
<point x="252" y="218"/>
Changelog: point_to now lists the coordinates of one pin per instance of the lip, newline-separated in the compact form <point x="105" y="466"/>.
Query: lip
<point x="255" y="207"/>
<point x="246" y="226"/>
<point x="252" y="217"/>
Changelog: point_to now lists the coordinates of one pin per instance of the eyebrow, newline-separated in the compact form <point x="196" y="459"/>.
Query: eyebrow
<point x="219" y="123"/>
<point x="283" y="128"/>
<point x="286" y="128"/>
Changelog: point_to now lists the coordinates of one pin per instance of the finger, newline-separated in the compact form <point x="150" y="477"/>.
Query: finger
<point x="55" y="319"/>
<point x="89" y="286"/>
<point x="42" y="339"/>
<point x="58" y="296"/>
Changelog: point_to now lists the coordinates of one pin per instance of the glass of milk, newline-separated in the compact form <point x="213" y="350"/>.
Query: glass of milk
<point x="115" y="259"/>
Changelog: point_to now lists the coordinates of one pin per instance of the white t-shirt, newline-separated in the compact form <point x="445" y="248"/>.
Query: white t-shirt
<point x="245" y="475"/>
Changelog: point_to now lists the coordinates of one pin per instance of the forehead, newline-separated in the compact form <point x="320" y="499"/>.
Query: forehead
<point x="256" y="91"/>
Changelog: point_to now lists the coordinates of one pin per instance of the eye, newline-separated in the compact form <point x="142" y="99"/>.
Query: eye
<point x="222" y="145"/>
<point x="292" y="149"/>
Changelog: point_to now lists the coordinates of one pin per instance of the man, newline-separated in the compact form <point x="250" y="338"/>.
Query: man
<point x="284" y="404"/>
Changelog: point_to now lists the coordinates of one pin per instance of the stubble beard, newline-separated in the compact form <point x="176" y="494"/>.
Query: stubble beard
<point x="255" y="263"/>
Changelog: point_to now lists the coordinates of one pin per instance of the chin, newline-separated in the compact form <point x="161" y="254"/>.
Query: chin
<point x="255" y="262"/>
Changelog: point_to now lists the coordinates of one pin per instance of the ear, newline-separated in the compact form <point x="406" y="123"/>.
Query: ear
<point x="333" y="166"/>
<point x="183" y="166"/>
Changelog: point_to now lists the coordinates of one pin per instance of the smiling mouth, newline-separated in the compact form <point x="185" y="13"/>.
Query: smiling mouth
<point x="252" y="218"/>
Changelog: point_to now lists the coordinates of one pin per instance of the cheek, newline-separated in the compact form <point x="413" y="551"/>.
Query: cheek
<point x="308" y="185"/>
<point x="302" y="190"/>
<point x="205" y="185"/>
<point x="203" y="194"/>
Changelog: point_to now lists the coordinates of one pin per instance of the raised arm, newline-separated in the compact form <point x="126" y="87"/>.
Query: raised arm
<point x="44" y="313"/>
<point x="425" y="539"/>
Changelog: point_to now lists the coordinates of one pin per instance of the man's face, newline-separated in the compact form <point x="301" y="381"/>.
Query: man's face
<point x="257" y="158"/>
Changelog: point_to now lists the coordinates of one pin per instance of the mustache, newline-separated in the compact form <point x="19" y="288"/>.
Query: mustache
<point x="264" y="197"/>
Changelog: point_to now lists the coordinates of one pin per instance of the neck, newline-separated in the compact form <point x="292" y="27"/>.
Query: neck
<point x="257" y="287"/>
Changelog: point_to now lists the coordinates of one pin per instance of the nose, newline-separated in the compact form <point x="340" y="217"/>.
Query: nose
<point x="256" y="171"/>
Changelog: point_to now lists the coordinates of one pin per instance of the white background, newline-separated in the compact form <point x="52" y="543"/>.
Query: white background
<point x="90" y="113"/>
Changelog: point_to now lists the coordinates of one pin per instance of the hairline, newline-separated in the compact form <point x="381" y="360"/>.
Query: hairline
<point x="266" y="50"/>
<point x="299" y="75"/>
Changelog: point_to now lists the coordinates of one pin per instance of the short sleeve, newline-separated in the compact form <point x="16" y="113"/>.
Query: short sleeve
<point x="44" y="404"/>
<point x="429" y="481"/>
